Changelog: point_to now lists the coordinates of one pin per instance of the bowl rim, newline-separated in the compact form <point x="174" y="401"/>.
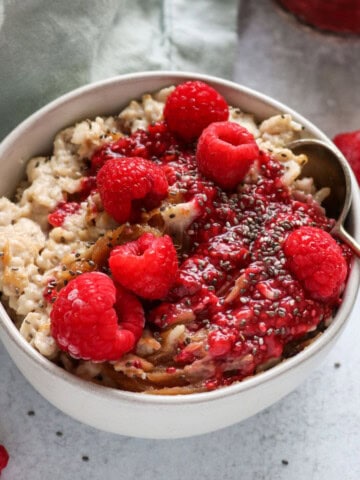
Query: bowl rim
<point x="332" y="331"/>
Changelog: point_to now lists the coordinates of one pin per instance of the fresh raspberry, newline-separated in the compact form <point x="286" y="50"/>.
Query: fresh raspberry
<point x="84" y="319"/>
<point x="349" y="144"/>
<point x="191" y="107"/>
<point x="225" y="152"/>
<point x="146" y="266"/>
<point x="4" y="458"/>
<point x="317" y="261"/>
<point x="126" y="184"/>
<point x="57" y="217"/>
<point x="130" y="310"/>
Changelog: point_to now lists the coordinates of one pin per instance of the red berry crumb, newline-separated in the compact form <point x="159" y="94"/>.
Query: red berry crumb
<point x="57" y="217"/>
<point x="220" y="343"/>
<point x="349" y="144"/>
<point x="191" y="107"/>
<point x="317" y="261"/>
<point x="84" y="319"/>
<point x="4" y="458"/>
<point x="146" y="266"/>
<point x="225" y="152"/>
<point x="126" y="184"/>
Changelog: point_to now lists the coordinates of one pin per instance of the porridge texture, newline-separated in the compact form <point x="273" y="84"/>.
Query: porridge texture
<point x="237" y="296"/>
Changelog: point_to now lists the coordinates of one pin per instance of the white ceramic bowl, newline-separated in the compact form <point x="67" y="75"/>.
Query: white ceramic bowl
<point x="137" y="414"/>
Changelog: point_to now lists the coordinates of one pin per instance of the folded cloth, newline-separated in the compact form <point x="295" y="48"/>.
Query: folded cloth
<point x="48" y="47"/>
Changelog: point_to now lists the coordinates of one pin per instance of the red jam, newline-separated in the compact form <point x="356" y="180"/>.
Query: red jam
<point x="233" y="281"/>
<point x="63" y="209"/>
<point x="341" y="16"/>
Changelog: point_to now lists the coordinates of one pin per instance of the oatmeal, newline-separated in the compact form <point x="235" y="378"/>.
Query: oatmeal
<point x="234" y="299"/>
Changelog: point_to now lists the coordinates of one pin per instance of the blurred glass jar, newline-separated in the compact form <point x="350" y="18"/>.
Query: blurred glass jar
<point x="340" y="16"/>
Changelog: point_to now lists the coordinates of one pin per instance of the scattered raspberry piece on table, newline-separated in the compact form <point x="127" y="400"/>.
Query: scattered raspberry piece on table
<point x="225" y="152"/>
<point x="127" y="184"/>
<point x="4" y="458"/>
<point x="84" y="320"/>
<point x="317" y="261"/>
<point x="191" y="107"/>
<point x="349" y="144"/>
<point x="146" y="266"/>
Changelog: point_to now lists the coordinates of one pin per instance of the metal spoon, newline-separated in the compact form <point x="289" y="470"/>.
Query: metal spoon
<point x="328" y="167"/>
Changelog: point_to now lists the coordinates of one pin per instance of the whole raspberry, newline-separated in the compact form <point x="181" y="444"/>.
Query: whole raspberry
<point x="84" y="319"/>
<point x="225" y="152"/>
<point x="191" y="107"/>
<point x="349" y="144"/>
<point x="317" y="261"/>
<point x="4" y="458"/>
<point x="128" y="183"/>
<point x="146" y="266"/>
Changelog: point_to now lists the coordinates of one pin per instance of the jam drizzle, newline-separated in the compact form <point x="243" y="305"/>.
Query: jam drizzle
<point x="233" y="285"/>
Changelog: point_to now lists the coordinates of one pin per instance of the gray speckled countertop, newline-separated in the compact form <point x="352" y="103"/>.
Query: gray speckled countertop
<point x="314" y="433"/>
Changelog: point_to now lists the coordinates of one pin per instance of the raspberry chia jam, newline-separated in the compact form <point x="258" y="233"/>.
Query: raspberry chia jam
<point x="181" y="253"/>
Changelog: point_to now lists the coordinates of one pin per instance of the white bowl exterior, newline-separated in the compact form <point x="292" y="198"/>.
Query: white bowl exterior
<point x="139" y="414"/>
<point x="126" y="414"/>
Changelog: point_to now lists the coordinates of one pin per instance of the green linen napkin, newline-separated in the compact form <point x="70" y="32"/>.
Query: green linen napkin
<point x="48" y="47"/>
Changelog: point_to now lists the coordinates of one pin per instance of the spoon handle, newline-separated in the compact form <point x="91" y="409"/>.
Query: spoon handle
<point x="341" y="233"/>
